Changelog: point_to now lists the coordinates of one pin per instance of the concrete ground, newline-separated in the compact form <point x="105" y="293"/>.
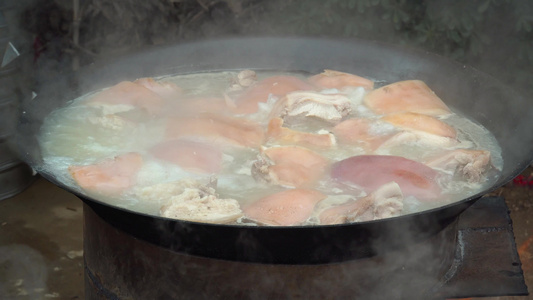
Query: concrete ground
<point x="41" y="240"/>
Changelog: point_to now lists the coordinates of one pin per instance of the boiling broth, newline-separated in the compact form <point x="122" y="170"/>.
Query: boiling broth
<point x="83" y="134"/>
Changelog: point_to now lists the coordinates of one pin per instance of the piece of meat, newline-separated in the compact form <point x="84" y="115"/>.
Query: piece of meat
<point x="330" y="79"/>
<point x="419" y="122"/>
<point x="190" y="155"/>
<point x="197" y="203"/>
<point x="406" y="96"/>
<point x="192" y="106"/>
<point x="357" y="131"/>
<point x="291" y="166"/>
<point x="112" y="122"/>
<point x="413" y="138"/>
<point x="243" y="79"/>
<point x="247" y="102"/>
<point x="469" y="164"/>
<point x="166" y="90"/>
<point x="217" y="129"/>
<point x="328" y="107"/>
<point x="372" y="171"/>
<point x="286" y="136"/>
<point x="385" y="202"/>
<point x="287" y="208"/>
<point x="162" y="192"/>
<point x="128" y="94"/>
<point x="111" y="176"/>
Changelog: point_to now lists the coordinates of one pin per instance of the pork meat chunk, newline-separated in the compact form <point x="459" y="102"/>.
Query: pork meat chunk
<point x="470" y="164"/>
<point x="385" y="202"/>
<point x="192" y="201"/>
<point x="328" y="107"/>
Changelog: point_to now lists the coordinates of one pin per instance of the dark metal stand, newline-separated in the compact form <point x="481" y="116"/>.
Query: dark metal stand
<point x="475" y="256"/>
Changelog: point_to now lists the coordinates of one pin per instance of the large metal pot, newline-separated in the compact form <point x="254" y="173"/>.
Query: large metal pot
<point x="506" y="114"/>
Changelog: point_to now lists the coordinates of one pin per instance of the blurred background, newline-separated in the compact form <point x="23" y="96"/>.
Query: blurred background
<point x="42" y="39"/>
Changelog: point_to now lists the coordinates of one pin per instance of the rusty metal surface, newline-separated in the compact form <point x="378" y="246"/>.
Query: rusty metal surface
<point x="484" y="263"/>
<point x="119" y="266"/>
<point x="486" y="259"/>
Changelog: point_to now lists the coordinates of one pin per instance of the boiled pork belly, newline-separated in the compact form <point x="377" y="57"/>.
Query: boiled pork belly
<point x="369" y="172"/>
<point x="331" y="79"/>
<point x="291" y="166"/>
<point x="276" y="133"/>
<point x="406" y="96"/>
<point x="358" y="131"/>
<point x="328" y="107"/>
<point x="419" y="122"/>
<point x="287" y="208"/>
<point x="190" y="155"/>
<point x="385" y="202"/>
<point x="165" y="90"/>
<point x="192" y="201"/>
<point x="111" y="176"/>
<point x="468" y="164"/>
<point x="278" y="86"/>
<point x="217" y="129"/>
<point x="126" y="96"/>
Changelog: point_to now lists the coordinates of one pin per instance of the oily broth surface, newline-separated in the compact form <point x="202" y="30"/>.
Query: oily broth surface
<point x="71" y="135"/>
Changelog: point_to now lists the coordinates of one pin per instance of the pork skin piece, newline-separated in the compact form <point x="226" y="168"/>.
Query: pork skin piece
<point x="330" y="79"/>
<point x="278" y="86"/>
<point x="419" y="122"/>
<point x="278" y="134"/>
<point x="219" y="130"/>
<point x="198" y="203"/>
<point x="385" y="202"/>
<point x="165" y="90"/>
<point x="192" y="156"/>
<point x="469" y="164"/>
<point x="369" y="172"/>
<point x="287" y="208"/>
<point x="110" y="176"/>
<point x="406" y="96"/>
<point x="328" y="107"/>
<point x="357" y="132"/>
<point x="125" y="96"/>
<point x="290" y="166"/>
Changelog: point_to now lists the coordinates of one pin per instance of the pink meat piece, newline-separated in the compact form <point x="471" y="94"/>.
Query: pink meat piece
<point x="291" y="207"/>
<point x="247" y="102"/>
<point x="385" y="202"/>
<point x="110" y="176"/>
<point x="372" y="171"/>
<point x="190" y="155"/>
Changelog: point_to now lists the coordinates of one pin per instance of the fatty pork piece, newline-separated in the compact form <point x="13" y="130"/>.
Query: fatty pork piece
<point x="286" y="136"/>
<point x="190" y="155"/>
<point x="468" y="164"/>
<point x="192" y="201"/>
<point x="287" y="208"/>
<point x="145" y="94"/>
<point x="406" y="96"/>
<point x="217" y="130"/>
<point x="277" y="86"/>
<point x="358" y="131"/>
<point x="328" y="107"/>
<point x="385" y="202"/>
<point x="330" y="79"/>
<point x="369" y="172"/>
<point x="421" y="129"/>
<point x="110" y="176"/>
<point x="291" y="166"/>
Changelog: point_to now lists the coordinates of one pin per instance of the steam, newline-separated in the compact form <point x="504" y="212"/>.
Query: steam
<point x="23" y="273"/>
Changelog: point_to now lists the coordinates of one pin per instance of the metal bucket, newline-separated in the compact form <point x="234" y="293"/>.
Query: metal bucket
<point x="15" y="176"/>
